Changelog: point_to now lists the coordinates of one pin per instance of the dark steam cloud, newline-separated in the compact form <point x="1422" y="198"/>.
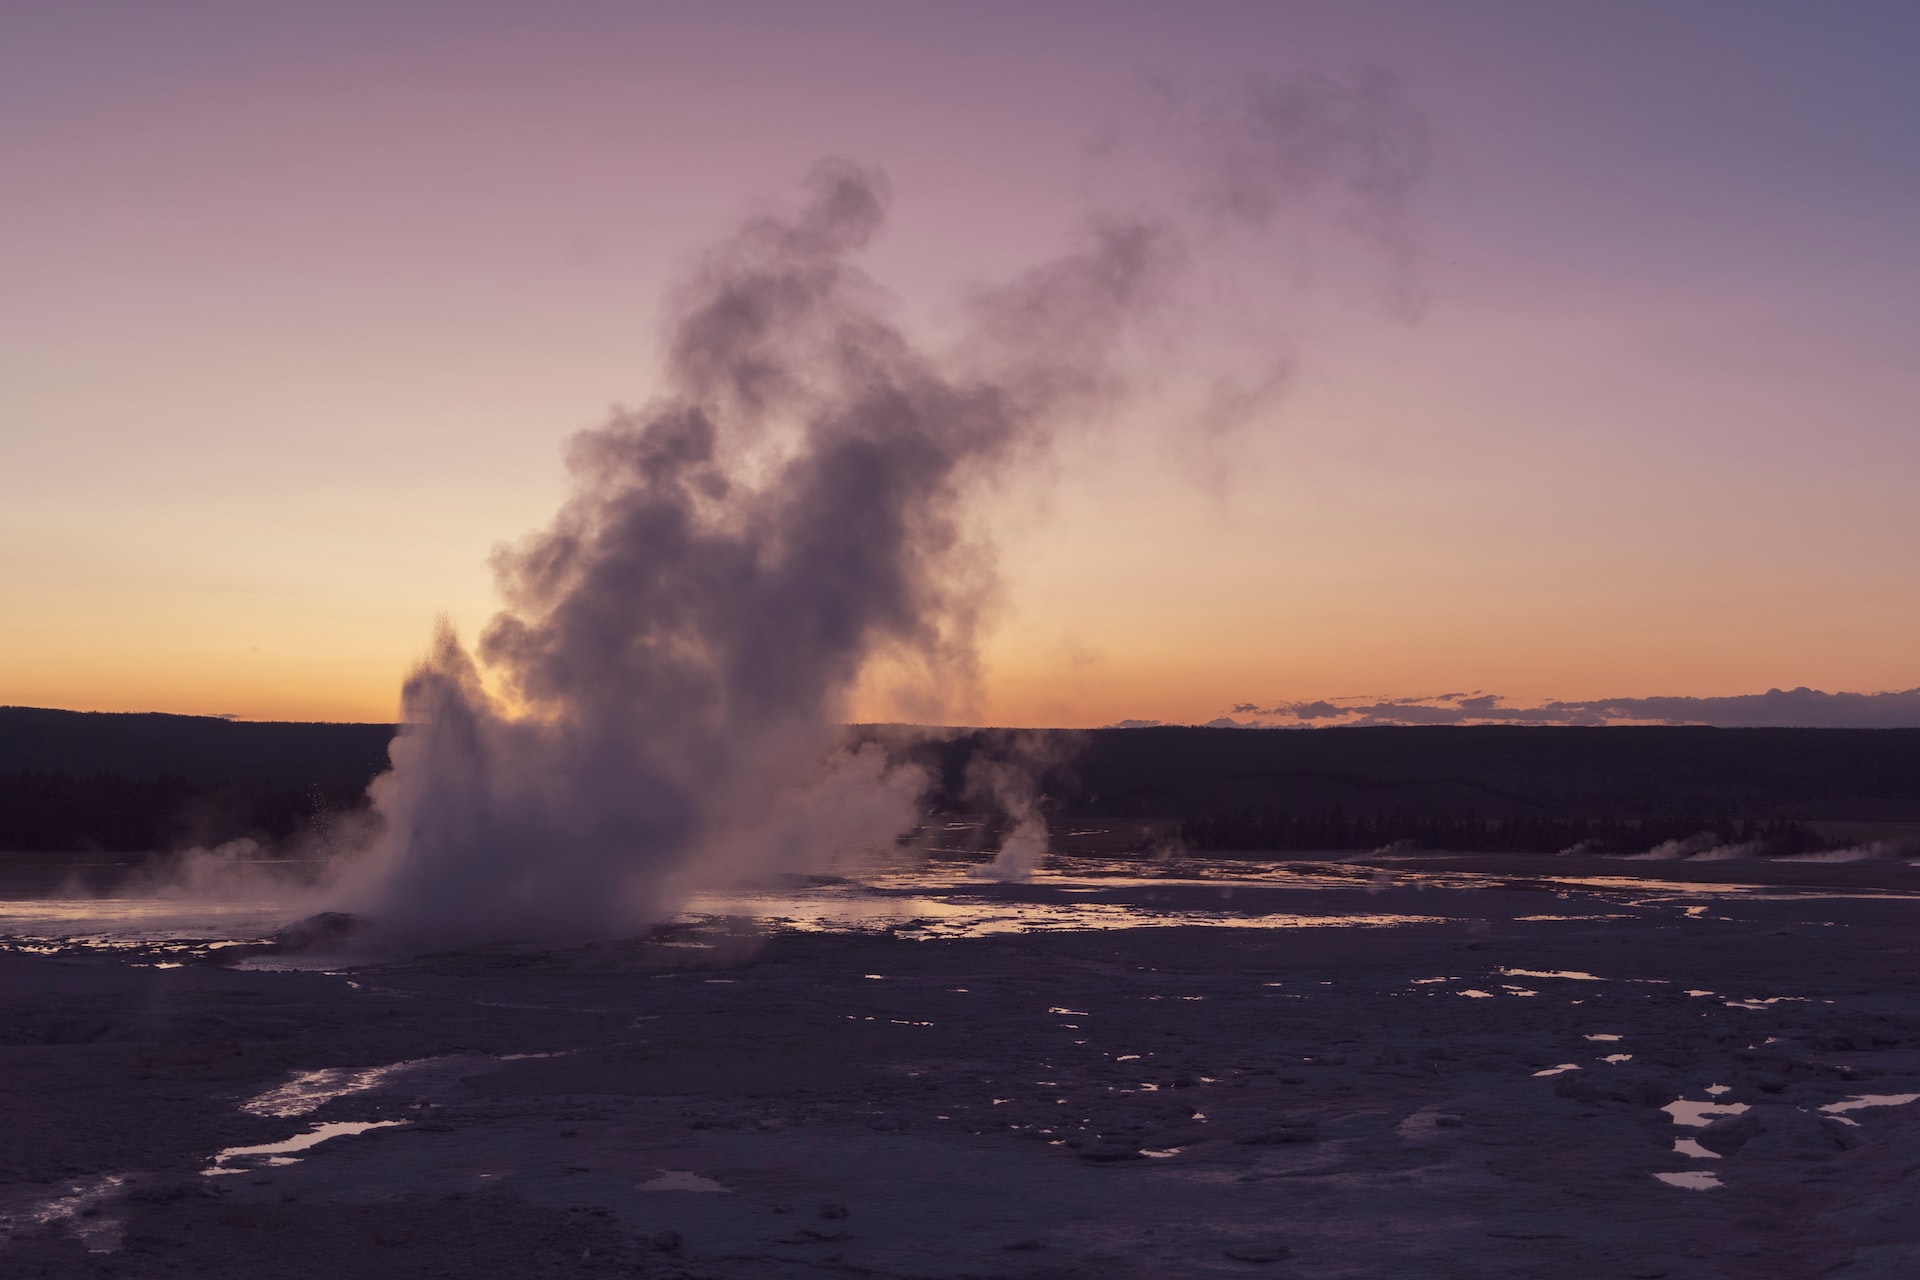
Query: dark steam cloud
<point x="1282" y="142"/>
<point x="678" y="648"/>
<point x="1290" y="153"/>
<point x="657" y="709"/>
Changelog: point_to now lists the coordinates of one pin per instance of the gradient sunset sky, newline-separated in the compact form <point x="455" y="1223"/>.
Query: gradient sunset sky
<point x="300" y="303"/>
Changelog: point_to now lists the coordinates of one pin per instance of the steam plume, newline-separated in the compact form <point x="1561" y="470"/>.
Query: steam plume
<point x="656" y="709"/>
<point x="678" y="647"/>
<point x="1005" y="775"/>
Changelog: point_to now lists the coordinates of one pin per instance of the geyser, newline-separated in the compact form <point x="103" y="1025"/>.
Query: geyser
<point x="659" y="706"/>
<point x="678" y="647"/>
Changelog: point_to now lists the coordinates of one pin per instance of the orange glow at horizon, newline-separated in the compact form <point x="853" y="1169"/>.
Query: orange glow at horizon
<point x="1653" y="433"/>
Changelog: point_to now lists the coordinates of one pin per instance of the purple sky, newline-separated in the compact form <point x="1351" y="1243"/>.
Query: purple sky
<point x="301" y="303"/>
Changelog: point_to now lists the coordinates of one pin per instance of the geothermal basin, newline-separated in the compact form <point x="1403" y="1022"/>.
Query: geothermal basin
<point x="1387" y="1066"/>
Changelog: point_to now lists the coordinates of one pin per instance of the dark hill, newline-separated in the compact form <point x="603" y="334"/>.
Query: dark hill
<point x="72" y="780"/>
<point x="1862" y="775"/>
<point x="84" y="781"/>
<point x="204" y="749"/>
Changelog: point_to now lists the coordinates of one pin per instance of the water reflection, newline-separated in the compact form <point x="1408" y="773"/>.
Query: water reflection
<point x="941" y="899"/>
<point x="1574" y="975"/>
<point x="1864" y="1100"/>
<point x="1698" y="1115"/>
<point x="680" y="1180"/>
<point x="308" y="1091"/>
<point x="267" y="1154"/>
<point x="77" y="1206"/>
<point x="966" y="908"/>
<point x="156" y="927"/>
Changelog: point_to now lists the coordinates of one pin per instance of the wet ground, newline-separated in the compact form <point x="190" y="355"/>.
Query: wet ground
<point x="1494" y="1067"/>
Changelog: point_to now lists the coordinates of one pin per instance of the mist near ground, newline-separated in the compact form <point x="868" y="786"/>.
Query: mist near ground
<point x="789" y="522"/>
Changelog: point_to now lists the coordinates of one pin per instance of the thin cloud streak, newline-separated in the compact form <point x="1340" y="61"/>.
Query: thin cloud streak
<point x="1776" y="708"/>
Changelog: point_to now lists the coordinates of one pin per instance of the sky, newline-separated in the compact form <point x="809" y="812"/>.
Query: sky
<point x="299" y="306"/>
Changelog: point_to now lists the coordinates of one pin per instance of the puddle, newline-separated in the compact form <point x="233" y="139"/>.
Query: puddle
<point x="1692" y="1147"/>
<point x="1692" y="1179"/>
<point x="1598" y="915"/>
<point x="1698" y="1115"/>
<point x="942" y="899"/>
<point x="679" y="1180"/>
<point x="157" y="930"/>
<point x="1617" y="1058"/>
<point x="1571" y="974"/>
<point x="1864" y="1100"/>
<point x="270" y="1154"/>
<point x="308" y="1091"/>
<point x="311" y="1090"/>
<point x="1764" y="1002"/>
<point x="954" y="904"/>
<point x="1562" y="1069"/>
<point x="79" y="1208"/>
<point x="1472" y="994"/>
<point x="1605" y="1038"/>
<point x="922" y="904"/>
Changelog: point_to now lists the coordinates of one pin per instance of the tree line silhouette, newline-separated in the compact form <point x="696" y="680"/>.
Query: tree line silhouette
<point x="1277" y="830"/>
<point x="53" y="811"/>
<point x="56" y="812"/>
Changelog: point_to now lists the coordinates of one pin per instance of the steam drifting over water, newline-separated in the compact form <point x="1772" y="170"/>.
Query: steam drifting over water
<point x="658" y="707"/>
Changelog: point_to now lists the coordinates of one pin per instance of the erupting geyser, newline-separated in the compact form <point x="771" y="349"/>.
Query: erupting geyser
<point x="678" y="648"/>
<point x="666" y="686"/>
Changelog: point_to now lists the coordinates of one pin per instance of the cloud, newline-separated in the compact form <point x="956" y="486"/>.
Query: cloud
<point x="1781" y="708"/>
